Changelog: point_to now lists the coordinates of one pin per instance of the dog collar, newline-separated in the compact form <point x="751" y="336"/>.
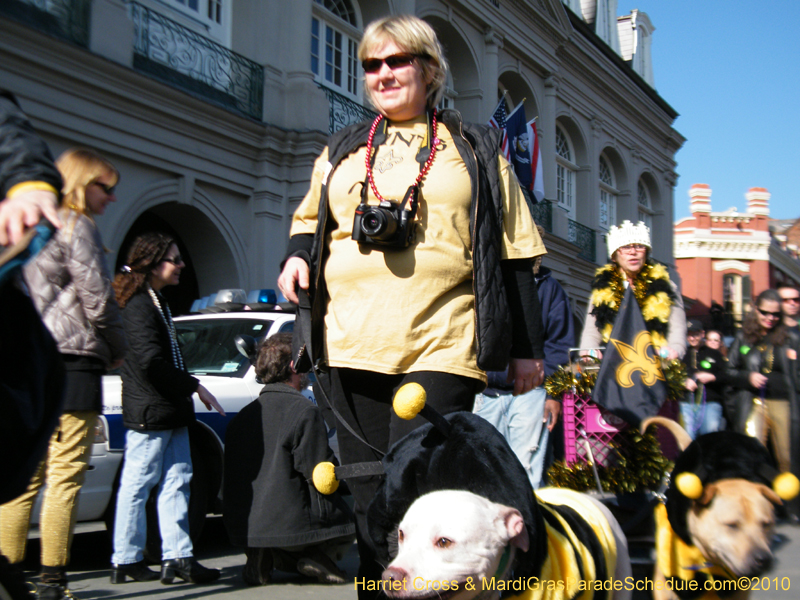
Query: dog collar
<point x="501" y="568"/>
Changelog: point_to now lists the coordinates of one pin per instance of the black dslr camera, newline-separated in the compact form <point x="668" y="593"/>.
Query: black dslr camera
<point x="387" y="224"/>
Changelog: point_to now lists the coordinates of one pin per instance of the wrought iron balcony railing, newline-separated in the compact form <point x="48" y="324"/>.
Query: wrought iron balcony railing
<point x="584" y="238"/>
<point x="543" y="214"/>
<point x="178" y="56"/>
<point x="66" y="19"/>
<point x="343" y="111"/>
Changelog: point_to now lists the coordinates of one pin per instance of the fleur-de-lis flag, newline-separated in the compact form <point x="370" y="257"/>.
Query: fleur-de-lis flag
<point x="630" y="383"/>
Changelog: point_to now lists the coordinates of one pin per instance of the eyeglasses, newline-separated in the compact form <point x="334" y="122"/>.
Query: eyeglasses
<point x="176" y="260"/>
<point x="631" y="248"/>
<point x="766" y="313"/>
<point x="794" y="299"/>
<point x="108" y="189"/>
<point x="395" y="61"/>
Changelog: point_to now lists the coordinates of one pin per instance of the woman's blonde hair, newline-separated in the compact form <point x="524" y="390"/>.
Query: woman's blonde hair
<point x="415" y="36"/>
<point x="80" y="167"/>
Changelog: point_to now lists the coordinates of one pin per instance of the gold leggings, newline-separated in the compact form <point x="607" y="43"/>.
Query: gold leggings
<point x="773" y="420"/>
<point x="63" y="470"/>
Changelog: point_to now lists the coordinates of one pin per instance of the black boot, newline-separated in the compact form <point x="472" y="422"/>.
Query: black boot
<point x="258" y="569"/>
<point x="187" y="569"/>
<point x="53" y="584"/>
<point x="137" y="571"/>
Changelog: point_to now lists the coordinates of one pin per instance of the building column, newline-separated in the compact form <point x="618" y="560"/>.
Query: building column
<point x="547" y="143"/>
<point x="493" y="41"/>
<point x="111" y="31"/>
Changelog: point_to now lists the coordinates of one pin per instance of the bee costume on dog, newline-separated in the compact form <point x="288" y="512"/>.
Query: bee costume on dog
<point x="570" y="539"/>
<point x="710" y="458"/>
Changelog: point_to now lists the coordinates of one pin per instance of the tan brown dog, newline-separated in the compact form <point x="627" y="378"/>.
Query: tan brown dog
<point x="719" y="515"/>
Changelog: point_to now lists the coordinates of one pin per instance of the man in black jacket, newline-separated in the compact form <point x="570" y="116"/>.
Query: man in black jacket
<point x="270" y="504"/>
<point x="701" y="411"/>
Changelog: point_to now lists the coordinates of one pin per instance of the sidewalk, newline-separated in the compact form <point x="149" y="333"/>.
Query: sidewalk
<point x="89" y="576"/>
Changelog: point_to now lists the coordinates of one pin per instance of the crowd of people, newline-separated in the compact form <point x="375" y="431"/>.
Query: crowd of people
<point x="410" y="262"/>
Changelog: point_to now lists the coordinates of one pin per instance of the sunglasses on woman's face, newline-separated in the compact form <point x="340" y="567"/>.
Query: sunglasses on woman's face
<point x="108" y="189"/>
<point x="395" y="61"/>
<point x="766" y="313"/>
<point x="175" y="261"/>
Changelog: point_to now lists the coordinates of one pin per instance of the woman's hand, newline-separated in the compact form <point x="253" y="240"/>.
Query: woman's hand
<point x="526" y="373"/>
<point x="552" y="409"/>
<point x="757" y="380"/>
<point x="690" y="384"/>
<point x="705" y="377"/>
<point x="295" y="272"/>
<point x="209" y="400"/>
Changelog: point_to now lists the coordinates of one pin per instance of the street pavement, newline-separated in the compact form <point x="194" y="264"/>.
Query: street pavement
<point x="89" y="571"/>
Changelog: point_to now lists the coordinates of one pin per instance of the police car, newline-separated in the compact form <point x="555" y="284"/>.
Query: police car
<point x="207" y="341"/>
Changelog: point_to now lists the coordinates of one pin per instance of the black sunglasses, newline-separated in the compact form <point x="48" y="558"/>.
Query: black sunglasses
<point x="766" y="313"/>
<point x="175" y="260"/>
<point x="395" y="61"/>
<point x="791" y="299"/>
<point x="108" y="189"/>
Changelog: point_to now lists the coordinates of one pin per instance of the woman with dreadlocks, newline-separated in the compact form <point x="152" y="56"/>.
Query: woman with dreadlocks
<point x="157" y="410"/>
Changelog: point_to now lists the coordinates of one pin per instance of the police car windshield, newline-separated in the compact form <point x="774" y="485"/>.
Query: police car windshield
<point x="208" y="346"/>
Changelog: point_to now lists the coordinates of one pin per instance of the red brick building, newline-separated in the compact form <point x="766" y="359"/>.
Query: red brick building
<point x="725" y="259"/>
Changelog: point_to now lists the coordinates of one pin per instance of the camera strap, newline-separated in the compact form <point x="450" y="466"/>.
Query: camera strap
<point x="425" y="156"/>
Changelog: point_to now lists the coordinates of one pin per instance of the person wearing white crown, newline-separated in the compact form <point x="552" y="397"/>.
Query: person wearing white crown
<point x="659" y="299"/>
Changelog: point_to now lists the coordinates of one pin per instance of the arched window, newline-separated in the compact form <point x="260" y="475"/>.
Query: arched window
<point x="608" y="195"/>
<point x="565" y="171"/>
<point x="334" y="46"/>
<point x="645" y="205"/>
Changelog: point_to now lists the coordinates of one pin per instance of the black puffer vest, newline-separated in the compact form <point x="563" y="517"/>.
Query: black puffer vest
<point x="479" y="147"/>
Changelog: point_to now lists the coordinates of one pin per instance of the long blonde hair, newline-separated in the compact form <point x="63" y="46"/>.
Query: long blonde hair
<point x="80" y="167"/>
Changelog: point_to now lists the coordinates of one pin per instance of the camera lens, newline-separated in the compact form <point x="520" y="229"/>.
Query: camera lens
<point x="376" y="223"/>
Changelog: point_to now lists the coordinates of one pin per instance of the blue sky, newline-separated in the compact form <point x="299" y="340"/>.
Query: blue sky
<point x="732" y="70"/>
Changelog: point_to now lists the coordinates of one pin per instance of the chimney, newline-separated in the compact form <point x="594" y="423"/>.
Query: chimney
<point x="758" y="201"/>
<point x="700" y="194"/>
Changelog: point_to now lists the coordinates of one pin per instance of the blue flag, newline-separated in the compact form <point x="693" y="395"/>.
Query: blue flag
<point x="519" y="148"/>
<point x="630" y="383"/>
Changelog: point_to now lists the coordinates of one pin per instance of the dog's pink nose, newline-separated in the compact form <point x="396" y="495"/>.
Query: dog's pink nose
<point x="394" y="574"/>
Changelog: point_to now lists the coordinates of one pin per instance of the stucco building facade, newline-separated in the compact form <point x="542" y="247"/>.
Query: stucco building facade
<point x="214" y="111"/>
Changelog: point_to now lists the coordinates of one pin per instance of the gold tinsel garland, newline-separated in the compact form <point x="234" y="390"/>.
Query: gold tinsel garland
<point x="641" y="465"/>
<point x="565" y="380"/>
<point x="639" y="461"/>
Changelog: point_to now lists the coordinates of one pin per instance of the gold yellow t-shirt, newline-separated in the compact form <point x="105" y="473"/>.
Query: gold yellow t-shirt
<point x="412" y="309"/>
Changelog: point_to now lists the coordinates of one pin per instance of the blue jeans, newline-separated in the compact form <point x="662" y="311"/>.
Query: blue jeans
<point x="519" y="419"/>
<point x="153" y="458"/>
<point x="699" y="418"/>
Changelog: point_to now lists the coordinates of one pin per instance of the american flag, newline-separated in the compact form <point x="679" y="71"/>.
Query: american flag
<point x="498" y="121"/>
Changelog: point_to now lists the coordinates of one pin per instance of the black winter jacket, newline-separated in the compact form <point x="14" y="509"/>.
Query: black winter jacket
<point x="271" y="449"/>
<point x="499" y="286"/>
<point x="155" y="394"/>
<point x="23" y="155"/>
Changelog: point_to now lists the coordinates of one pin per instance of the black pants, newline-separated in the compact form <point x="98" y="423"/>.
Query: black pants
<point x="364" y="400"/>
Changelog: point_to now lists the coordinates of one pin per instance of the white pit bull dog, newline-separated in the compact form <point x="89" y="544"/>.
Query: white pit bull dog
<point x="460" y="546"/>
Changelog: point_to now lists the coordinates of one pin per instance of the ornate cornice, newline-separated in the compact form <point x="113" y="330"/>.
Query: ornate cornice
<point x="728" y="249"/>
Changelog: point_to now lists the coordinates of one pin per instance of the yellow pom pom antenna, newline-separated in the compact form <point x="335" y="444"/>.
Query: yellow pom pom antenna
<point x="689" y="485"/>
<point x="324" y="478"/>
<point x="409" y="400"/>
<point x="786" y="485"/>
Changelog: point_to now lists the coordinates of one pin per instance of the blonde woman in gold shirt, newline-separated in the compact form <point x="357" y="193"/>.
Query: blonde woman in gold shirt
<point x="415" y="246"/>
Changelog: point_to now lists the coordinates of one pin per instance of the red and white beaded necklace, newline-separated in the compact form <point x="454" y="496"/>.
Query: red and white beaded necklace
<point x="422" y="172"/>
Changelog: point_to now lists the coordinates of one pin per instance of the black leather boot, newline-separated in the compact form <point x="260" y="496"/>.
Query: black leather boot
<point x="137" y="571"/>
<point x="187" y="569"/>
